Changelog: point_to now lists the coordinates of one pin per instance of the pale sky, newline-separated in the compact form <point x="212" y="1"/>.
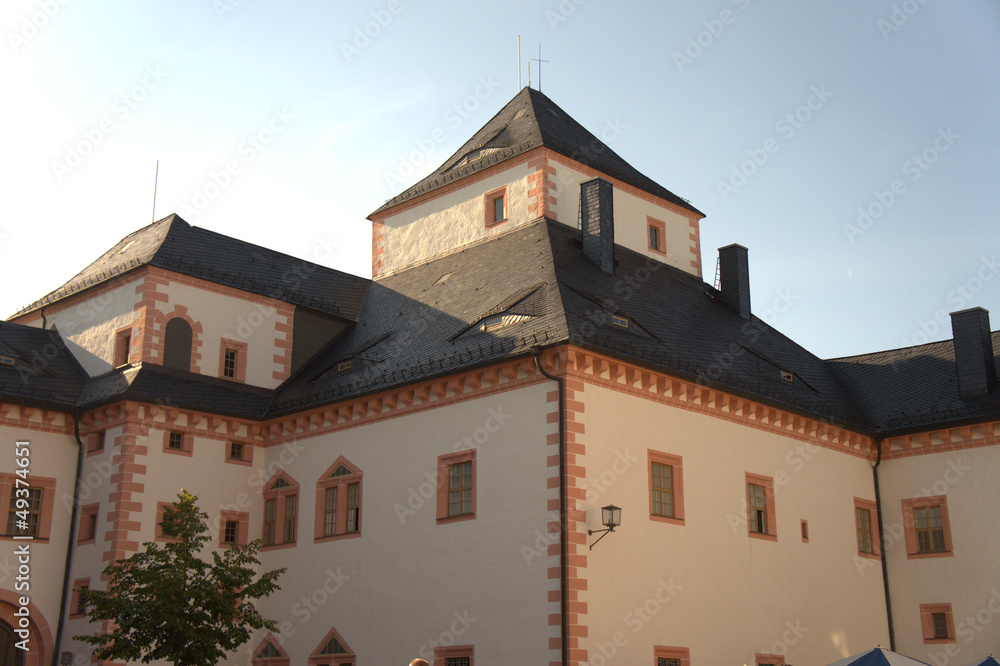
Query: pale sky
<point x="852" y="145"/>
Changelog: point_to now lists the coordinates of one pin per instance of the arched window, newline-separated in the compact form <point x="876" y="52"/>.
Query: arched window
<point x="177" y="344"/>
<point x="9" y="654"/>
<point x="338" y="501"/>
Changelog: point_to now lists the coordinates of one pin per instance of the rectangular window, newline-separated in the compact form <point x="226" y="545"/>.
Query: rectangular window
<point x="663" y="489"/>
<point x="496" y="207"/>
<point x="657" y="235"/>
<point x="757" y="506"/>
<point x="671" y="656"/>
<point x="290" y="510"/>
<point x="270" y="510"/>
<point x="87" y="531"/>
<point x="96" y="442"/>
<point x="229" y="364"/>
<point x="78" y="607"/>
<point x="330" y="512"/>
<point x="456" y="492"/>
<point x="937" y="624"/>
<point x="665" y="661"/>
<point x="761" y="522"/>
<point x="460" y="489"/>
<point x="353" y="507"/>
<point x="175" y="441"/>
<point x="236" y="450"/>
<point x="805" y="531"/>
<point x="864" y="524"/>
<point x="25" y="514"/>
<point x="123" y="346"/>
<point x="619" y="322"/>
<point x="926" y="527"/>
<point x="456" y="655"/>
<point x="230" y="532"/>
<point x="929" y="528"/>
<point x="81" y="605"/>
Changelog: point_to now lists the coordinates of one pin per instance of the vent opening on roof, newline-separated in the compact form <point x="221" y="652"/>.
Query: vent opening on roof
<point x="787" y="376"/>
<point x="7" y="362"/>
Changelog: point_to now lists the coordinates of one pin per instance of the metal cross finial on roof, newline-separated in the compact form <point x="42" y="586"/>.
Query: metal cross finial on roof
<point x="539" y="61"/>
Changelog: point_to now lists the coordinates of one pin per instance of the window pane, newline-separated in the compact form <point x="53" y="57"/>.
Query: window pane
<point x="290" y="502"/>
<point x="353" y="507"/>
<point x="270" y="511"/>
<point x="460" y="489"/>
<point x="940" y="625"/>
<point x="330" y="512"/>
<point x="663" y="496"/>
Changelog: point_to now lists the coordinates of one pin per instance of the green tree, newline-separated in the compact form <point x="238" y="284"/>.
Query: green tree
<point x="166" y="602"/>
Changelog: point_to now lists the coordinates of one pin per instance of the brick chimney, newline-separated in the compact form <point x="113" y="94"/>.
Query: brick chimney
<point x="734" y="275"/>
<point x="977" y="373"/>
<point x="597" y="221"/>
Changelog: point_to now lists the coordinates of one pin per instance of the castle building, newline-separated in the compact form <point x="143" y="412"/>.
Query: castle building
<point x="431" y="453"/>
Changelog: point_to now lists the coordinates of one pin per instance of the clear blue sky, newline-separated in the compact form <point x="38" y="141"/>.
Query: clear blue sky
<point x="778" y="119"/>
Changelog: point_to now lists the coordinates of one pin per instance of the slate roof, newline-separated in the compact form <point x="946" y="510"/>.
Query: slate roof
<point x="422" y="322"/>
<point x="44" y="373"/>
<point x="173" y="244"/>
<point x="529" y="121"/>
<point x="914" y="388"/>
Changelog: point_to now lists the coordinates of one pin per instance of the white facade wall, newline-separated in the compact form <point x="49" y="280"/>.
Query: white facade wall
<point x="231" y="318"/>
<point x="89" y="326"/>
<point x="970" y="579"/>
<point x="630" y="219"/>
<point x="445" y="223"/>
<point x="406" y="581"/>
<point x="730" y="596"/>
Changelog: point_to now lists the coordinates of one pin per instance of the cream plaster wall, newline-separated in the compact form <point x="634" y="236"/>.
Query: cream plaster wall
<point x="234" y="319"/>
<point x="707" y="585"/>
<point x="456" y="219"/>
<point x="52" y="455"/>
<point x="473" y="568"/>
<point x="89" y="326"/>
<point x="630" y="219"/>
<point x="970" y="579"/>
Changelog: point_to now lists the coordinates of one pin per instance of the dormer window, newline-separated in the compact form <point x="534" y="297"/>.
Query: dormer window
<point x="619" y="322"/>
<point x="496" y="207"/>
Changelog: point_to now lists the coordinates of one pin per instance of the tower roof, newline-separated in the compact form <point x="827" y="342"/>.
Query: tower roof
<point x="531" y="120"/>
<point x="174" y="245"/>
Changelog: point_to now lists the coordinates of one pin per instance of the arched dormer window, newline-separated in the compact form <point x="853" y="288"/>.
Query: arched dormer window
<point x="338" y="501"/>
<point x="332" y="651"/>
<point x="177" y="337"/>
<point x="270" y="653"/>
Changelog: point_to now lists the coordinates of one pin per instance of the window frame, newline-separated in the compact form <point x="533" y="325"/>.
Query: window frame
<point x="89" y="516"/>
<point x="256" y="660"/>
<point x="8" y="483"/>
<point x="490" y="207"/>
<point x="661" y="231"/>
<point x="341" y="484"/>
<point x="768" y="659"/>
<point x="158" y="534"/>
<point x="240" y="368"/>
<point x="187" y="443"/>
<point x="676" y="463"/>
<point x="770" y="532"/>
<point x="280" y="495"/>
<point x="317" y="659"/>
<point x="242" y="520"/>
<point x="75" y="612"/>
<point x="861" y="504"/>
<point x="682" y="654"/>
<point x="246" y="460"/>
<point x="443" y="654"/>
<point x="804" y="529"/>
<point x="927" y="612"/>
<point x="910" y="530"/>
<point x="96" y="441"/>
<point x="123" y="347"/>
<point x="444" y="464"/>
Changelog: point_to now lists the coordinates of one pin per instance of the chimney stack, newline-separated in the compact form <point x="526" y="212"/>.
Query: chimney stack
<point x="597" y="221"/>
<point x="734" y="273"/>
<point x="977" y="374"/>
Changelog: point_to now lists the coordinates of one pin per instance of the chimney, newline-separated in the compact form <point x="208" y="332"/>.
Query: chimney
<point x="597" y="219"/>
<point x="734" y="274"/>
<point x="977" y="374"/>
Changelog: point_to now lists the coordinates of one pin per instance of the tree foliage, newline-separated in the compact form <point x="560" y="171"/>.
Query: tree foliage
<point x="166" y="602"/>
